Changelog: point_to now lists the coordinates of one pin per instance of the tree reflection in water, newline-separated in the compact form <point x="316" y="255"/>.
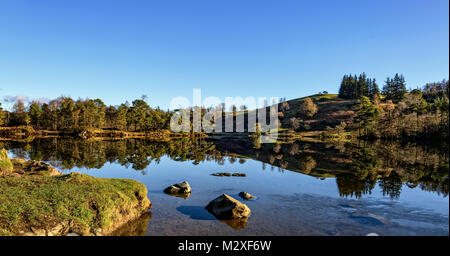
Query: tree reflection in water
<point x="357" y="168"/>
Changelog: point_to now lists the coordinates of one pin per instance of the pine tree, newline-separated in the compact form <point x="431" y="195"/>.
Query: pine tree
<point x="35" y="112"/>
<point x="362" y="86"/>
<point x="343" y="88"/>
<point x="353" y="86"/>
<point x="367" y="114"/>
<point x="387" y="89"/>
<point x="399" y="88"/>
<point x="374" y="90"/>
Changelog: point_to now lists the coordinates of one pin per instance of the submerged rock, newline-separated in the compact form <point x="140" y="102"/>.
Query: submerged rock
<point x="180" y="188"/>
<point x="226" y="207"/>
<point x="246" y="195"/>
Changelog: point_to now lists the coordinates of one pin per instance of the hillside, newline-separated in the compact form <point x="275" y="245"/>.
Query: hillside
<point x="331" y="112"/>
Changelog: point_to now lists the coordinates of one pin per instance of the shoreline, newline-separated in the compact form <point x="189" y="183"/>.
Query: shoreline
<point x="28" y="133"/>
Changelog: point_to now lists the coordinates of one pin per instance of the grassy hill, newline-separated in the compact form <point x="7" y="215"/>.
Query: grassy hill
<point x="331" y="112"/>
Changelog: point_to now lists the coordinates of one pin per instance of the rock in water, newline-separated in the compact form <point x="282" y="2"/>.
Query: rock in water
<point x="246" y="195"/>
<point x="180" y="188"/>
<point x="239" y="174"/>
<point x="226" y="207"/>
<point x="221" y="174"/>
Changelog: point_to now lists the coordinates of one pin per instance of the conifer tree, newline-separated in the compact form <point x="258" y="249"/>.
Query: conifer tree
<point x="387" y="89"/>
<point x="367" y="114"/>
<point x="374" y="90"/>
<point x="35" y="112"/>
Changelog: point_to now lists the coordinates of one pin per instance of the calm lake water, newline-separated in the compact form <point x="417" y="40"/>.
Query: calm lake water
<point x="301" y="188"/>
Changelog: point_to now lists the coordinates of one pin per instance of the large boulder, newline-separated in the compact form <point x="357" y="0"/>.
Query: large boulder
<point x="180" y="188"/>
<point x="225" y="207"/>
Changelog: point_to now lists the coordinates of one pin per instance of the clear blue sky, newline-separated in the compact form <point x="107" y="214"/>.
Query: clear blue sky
<point x="119" y="50"/>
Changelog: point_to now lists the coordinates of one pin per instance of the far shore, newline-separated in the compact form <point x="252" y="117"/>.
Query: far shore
<point x="27" y="132"/>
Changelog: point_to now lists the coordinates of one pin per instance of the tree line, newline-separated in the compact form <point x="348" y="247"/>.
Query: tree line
<point x="401" y="114"/>
<point x="66" y="114"/>
<point x="353" y="87"/>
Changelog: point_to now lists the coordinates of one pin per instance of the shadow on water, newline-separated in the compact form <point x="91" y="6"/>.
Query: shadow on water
<point x="196" y="212"/>
<point x="367" y="220"/>
<point x="200" y="213"/>
<point x="184" y="196"/>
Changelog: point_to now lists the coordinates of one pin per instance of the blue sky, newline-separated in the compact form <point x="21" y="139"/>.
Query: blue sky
<point x="119" y="50"/>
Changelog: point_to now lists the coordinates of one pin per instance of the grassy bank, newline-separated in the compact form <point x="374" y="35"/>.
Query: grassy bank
<point x="40" y="204"/>
<point x="6" y="165"/>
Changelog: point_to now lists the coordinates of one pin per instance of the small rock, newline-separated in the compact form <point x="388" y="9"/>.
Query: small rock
<point x="221" y="174"/>
<point x="97" y="231"/>
<point x="226" y="207"/>
<point x="57" y="230"/>
<point x="180" y="188"/>
<point x="239" y="174"/>
<point x="38" y="232"/>
<point x="246" y="195"/>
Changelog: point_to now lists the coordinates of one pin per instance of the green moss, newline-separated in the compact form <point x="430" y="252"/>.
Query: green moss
<point x="88" y="203"/>
<point x="5" y="163"/>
